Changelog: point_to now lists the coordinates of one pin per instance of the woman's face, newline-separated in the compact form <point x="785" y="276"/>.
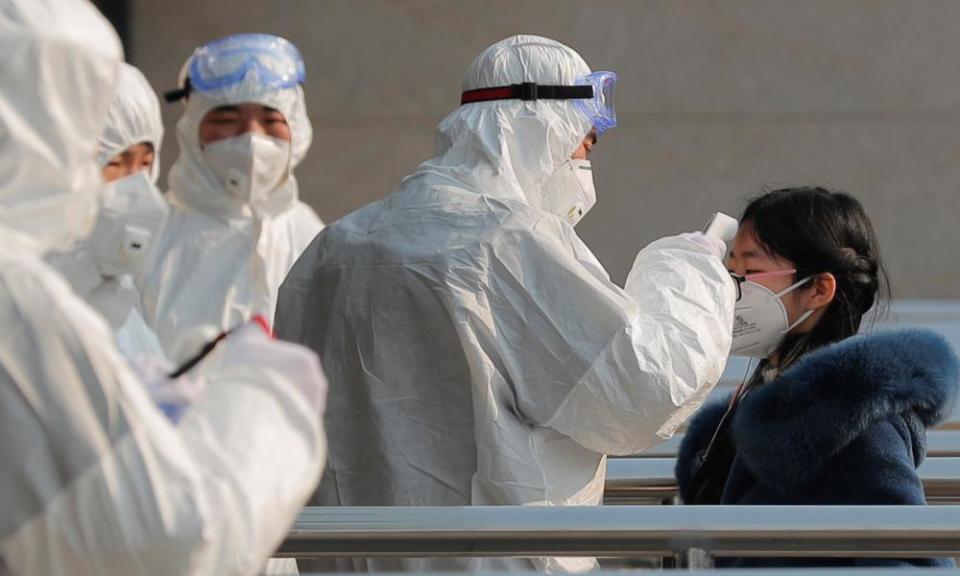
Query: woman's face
<point x="748" y="258"/>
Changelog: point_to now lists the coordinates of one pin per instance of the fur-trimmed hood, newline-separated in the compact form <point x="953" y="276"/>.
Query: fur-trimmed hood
<point x="845" y="425"/>
<point x="785" y="430"/>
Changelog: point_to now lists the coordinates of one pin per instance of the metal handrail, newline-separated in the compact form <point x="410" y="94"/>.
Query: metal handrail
<point x="631" y="480"/>
<point x="940" y="443"/>
<point x="731" y="572"/>
<point x="636" y="480"/>
<point x="518" y="531"/>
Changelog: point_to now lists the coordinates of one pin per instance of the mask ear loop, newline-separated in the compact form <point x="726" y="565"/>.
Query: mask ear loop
<point x="793" y="287"/>
<point x="788" y="290"/>
<point x="799" y="321"/>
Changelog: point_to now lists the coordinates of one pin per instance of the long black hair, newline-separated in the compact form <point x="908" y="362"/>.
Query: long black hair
<point x="822" y="231"/>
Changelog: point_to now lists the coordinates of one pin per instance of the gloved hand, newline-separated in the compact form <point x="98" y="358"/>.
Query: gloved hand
<point x="251" y="346"/>
<point x="171" y="395"/>
<point x="189" y="343"/>
<point x="715" y="245"/>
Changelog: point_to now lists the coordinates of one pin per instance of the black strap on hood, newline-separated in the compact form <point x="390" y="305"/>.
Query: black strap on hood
<point x="526" y="91"/>
<point x="172" y="96"/>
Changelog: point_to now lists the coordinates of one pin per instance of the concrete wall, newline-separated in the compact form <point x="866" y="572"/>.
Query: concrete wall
<point x="717" y="102"/>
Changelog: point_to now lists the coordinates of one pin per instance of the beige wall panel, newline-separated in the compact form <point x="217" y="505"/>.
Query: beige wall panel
<point x="717" y="102"/>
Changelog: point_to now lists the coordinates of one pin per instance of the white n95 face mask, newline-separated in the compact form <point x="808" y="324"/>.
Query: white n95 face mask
<point x="569" y="191"/>
<point x="249" y="166"/>
<point x="760" y="319"/>
<point x="131" y="213"/>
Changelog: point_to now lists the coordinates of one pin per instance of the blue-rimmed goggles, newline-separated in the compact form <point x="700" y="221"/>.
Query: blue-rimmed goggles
<point x="599" y="109"/>
<point x="592" y="94"/>
<point x="272" y="62"/>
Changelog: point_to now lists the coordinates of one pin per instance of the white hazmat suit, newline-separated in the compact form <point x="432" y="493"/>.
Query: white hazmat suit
<point x="480" y="353"/>
<point x="219" y="260"/>
<point x="94" y="479"/>
<point x="134" y="118"/>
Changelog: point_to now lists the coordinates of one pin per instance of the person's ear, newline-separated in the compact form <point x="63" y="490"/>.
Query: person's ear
<point x="822" y="291"/>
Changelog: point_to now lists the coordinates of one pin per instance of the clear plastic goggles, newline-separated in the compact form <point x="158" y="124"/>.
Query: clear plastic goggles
<point x="599" y="109"/>
<point x="272" y="61"/>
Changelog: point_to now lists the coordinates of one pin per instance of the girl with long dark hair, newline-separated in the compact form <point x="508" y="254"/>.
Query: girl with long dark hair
<point x="829" y="416"/>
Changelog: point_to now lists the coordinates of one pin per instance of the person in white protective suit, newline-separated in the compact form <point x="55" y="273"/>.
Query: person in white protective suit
<point x="237" y="224"/>
<point x="132" y="138"/>
<point x="102" y="267"/>
<point x="95" y="479"/>
<point x="480" y="353"/>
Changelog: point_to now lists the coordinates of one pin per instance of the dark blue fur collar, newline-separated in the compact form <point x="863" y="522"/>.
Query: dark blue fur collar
<point x="786" y="429"/>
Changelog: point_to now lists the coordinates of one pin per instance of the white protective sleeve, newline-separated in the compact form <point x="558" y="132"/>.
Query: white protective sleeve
<point x="668" y="348"/>
<point x="97" y="481"/>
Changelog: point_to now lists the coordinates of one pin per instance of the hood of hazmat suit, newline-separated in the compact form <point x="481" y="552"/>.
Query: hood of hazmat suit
<point x="95" y="479"/>
<point x="480" y="353"/>
<point x="219" y="259"/>
<point x="134" y="118"/>
<point x="101" y="268"/>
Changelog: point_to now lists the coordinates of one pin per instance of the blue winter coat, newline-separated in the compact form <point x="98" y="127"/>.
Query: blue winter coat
<point x="845" y="425"/>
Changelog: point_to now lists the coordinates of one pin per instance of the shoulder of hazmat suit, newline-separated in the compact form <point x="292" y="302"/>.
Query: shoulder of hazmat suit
<point x="481" y="353"/>
<point x="96" y="480"/>
<point x="220" y="260"/>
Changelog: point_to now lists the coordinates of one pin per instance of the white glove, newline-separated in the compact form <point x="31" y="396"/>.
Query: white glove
<point x="714" y="245"/>
<point x="171" y="395"/>
<point x="298" y="365"/>
<point x="189" y="343"/>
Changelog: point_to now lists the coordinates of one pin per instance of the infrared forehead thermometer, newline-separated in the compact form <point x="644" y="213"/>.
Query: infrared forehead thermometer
<point x="722" y="227"/>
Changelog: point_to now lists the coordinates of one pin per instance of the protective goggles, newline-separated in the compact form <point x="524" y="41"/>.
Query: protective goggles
<point x="591" y="94"/>
<point x="272" y="61"/>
